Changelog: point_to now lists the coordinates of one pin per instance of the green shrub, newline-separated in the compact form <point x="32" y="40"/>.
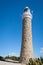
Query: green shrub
<point x="2" y="59"/>
<point x="38" y="61"/>
<point x="13" y="58"/>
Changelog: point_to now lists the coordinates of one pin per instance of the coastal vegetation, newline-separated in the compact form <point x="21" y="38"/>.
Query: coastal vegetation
<point x="12" y="58"/>
<point x="37" y="61"/>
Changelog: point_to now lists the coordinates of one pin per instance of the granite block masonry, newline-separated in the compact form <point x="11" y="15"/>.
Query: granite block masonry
<point x="26" y="47"/>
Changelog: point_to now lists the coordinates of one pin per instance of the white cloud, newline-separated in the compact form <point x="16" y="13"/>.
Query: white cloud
<point x="41" y="51"/>
<point x="13" y="54"/>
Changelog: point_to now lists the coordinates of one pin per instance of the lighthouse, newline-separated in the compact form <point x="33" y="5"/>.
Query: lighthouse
<point x="26" y="46"/>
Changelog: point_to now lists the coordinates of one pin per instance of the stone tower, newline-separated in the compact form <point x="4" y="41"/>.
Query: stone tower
<point x="26" y="48"/>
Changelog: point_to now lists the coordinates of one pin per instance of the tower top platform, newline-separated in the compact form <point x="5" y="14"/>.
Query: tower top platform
<point x="27" y="13"/>
<point x="26" y="9"/>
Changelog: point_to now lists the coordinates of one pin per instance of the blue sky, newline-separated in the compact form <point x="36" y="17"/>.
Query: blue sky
<point x="11" y="26"/>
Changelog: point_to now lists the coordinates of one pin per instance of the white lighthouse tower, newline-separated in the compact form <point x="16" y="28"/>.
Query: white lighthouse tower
<point x="26" y="47"/>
